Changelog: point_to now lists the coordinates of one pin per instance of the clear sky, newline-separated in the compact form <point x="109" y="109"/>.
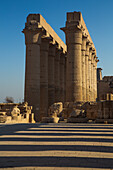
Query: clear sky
<point x="98" y="16"/>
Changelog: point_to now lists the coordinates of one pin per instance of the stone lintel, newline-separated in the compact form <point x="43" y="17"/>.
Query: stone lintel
<point x="38" y="21"/>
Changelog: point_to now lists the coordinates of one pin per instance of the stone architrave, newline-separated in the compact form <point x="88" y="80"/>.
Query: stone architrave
<point x="51" y="74"/>
<point x="32" y="70"/>
<point x="44" y="76"/>
<point x="83" y="48"/>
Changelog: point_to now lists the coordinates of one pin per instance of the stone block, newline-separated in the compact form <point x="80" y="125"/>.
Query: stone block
<point x="50" y="120"/>
<point x="104" y="121"/>
<point x="3" y="117"/>
<point x="55" y="109"/>
<point x="77" y="120"/>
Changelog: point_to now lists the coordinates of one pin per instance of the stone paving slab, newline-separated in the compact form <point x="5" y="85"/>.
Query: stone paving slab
<point x="56" y="146"/>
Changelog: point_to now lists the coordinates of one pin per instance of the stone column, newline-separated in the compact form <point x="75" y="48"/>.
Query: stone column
<point x="83" y="48"/>
<point x="57" y="75"/>
<point x="91" y="98"/>
<point x="44" y="77"/>
<point x="62" y="76"/>
<point x="99" y="74"/>
<point x="87" y="70"/>
<point x="89" y="67"/>
<point x="32" y="70"/>
<point x="51" y="74"/>
<point x="95" y="74"/>
<point x="92" y="83"/>
<point x="74" y="72"/>
<point x="99" y="78"/>
<point x="65" y="69"/>
<point x="94" y="79"/>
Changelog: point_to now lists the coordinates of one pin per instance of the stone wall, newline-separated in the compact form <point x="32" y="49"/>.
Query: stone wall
<point x="100" y="111"/>
<point x="105" y="88"/>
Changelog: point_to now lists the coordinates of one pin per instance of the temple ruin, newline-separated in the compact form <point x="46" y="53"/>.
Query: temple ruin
<point x="56" y="72"/>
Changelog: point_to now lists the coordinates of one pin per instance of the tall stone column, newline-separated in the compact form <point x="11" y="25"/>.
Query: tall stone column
<point x="91" y="76"/>
<point x="65" y="70"/>
<point x="89" y="67"/>
<point x="32" y="70"/>
<point x="57" y="75"/>
<point x="83" y="48"/>
<point x="44" y="77"/>
<point x="87" y="70"/>
<point x="95" y="74"/>
<point x="74" y="73"/>
<point x="92" y="81"/>
<point x="51" y="74"/>
<point x="62" y="77"/>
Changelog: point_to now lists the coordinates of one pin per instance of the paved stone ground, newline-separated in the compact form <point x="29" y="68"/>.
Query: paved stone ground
<point x="56" y="146"/>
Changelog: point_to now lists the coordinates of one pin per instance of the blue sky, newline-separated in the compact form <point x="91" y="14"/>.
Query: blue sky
<point x="98" y="16"/>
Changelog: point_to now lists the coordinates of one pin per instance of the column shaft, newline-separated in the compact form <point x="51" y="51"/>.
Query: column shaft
<point x="93" y="82"/>
<point x="32" y="70"/>
<point x="89" y="61"/>
<point x="74" y="72"/>
<point x="87" y="71"/>
<point x="51" y="75"/>
<point x="83" y="69"/>
<point x="92" y="95"/>
<point x="44" y="78"/>
<point x="65" y="69"/>
<point x="57" y="75"/>
<point x="62" y="77"/>
<point x="95" y="72"/>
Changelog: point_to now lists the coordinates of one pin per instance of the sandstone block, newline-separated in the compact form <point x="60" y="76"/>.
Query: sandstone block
<point x="50" y="119"/>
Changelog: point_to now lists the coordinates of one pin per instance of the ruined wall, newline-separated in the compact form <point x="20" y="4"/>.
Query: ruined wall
<point x="16" y="113"/>
<point x="105" y="88"/>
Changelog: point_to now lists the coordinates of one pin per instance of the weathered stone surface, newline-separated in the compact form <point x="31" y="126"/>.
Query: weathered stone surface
<point x="50" y="120"/>
<point x="40" y="63"/>
<point x="16" y="113"/>
<point x="3" y="117"/>
<point x="100" y="110"/>
<point x="77" y="113"/>
<point x="105" y="88"/>
<point x="105" y="121"/>
<point x="77" y="120"/>
<point x="56" y="72"/>
<point x="55" y="109"/>
<point x="78" y="84"/>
